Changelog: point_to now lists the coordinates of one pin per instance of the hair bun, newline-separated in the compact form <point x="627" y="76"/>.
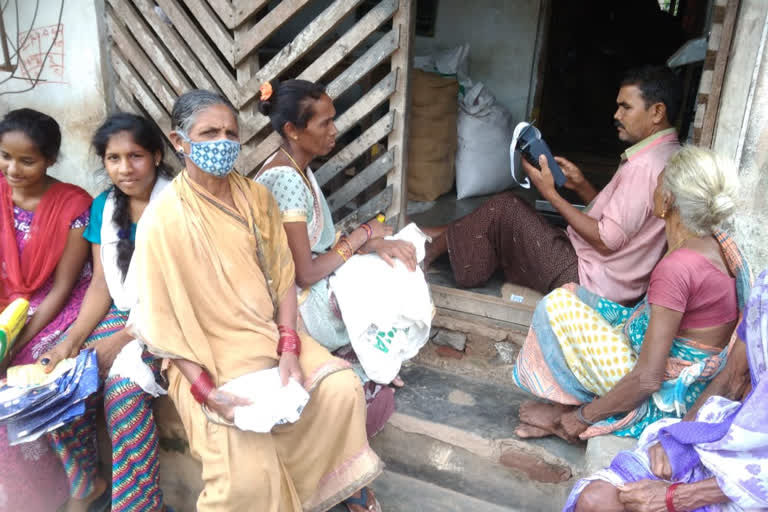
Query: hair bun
<point x="721" y="206"/>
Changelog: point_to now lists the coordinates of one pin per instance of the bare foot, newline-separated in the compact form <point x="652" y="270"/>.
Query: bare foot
<point x="544" y="417"/>
<point x="397" y="382"/>
<point x="525" y="431"/>
<point x="81" y="505"/>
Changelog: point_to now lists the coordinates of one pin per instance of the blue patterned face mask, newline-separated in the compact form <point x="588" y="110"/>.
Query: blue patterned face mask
<point x="215" y="157"/>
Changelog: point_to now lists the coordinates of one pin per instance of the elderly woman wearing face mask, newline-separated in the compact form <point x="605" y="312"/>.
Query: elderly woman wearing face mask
<point x="216" y="297"/>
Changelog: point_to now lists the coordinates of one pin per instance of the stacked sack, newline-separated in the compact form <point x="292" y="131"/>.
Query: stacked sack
<point x="432" y="136"/>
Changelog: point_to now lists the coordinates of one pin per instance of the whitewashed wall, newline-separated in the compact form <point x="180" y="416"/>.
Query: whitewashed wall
<point x="74" y="90"/>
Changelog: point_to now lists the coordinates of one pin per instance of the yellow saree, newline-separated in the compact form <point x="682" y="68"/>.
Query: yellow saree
<point x="208" y="279"/>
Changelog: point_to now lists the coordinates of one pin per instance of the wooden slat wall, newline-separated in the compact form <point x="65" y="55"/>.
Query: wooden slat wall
<point x="163" y="48"/>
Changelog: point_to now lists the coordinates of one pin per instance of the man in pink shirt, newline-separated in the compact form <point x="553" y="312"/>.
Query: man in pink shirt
<point x="612" y="246"/>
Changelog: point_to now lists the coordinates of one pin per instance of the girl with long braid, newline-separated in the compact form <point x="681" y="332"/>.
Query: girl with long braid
<point x="131" y="148"/>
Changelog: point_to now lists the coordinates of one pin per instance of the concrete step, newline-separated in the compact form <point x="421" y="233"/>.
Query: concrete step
<point x="457" y="432"/>
<point x="400" y="493"/>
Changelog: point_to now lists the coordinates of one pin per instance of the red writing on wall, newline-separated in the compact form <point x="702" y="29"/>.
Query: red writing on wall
<point x="33" y="47"/>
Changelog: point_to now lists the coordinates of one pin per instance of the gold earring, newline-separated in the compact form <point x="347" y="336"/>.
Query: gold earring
<point x="663" y="214"/>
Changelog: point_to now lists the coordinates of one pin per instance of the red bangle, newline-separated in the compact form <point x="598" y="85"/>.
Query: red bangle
<point x="289" y="341"/>
<point x="368" y="231"/>
<point x="202" y="387"/>
<point x="670" y="496"/>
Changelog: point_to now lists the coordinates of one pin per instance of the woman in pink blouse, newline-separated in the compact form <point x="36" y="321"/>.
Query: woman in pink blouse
<point x="612" y="369"/>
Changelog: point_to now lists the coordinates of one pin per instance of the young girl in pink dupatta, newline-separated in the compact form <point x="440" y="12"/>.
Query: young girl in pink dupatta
<point x="45" y="260"/>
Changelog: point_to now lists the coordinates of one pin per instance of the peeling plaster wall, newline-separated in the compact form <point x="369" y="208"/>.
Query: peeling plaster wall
<point x="74" y="93"/>
<point x="742" y="127"/>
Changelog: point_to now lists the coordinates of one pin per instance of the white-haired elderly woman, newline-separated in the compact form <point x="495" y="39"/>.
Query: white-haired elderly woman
<point x="216" y="296"/>
<point x="605" y="368"/>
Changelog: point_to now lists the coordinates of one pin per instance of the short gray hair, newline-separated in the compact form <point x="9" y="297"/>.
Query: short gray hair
<point x="190" y="104"/>
<point x="705" y="188"/>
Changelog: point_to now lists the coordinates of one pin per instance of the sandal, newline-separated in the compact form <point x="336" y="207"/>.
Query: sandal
<point x="363" y="501"/>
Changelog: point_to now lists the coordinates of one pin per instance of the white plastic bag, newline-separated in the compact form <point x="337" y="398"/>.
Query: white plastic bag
<point x="387" y="310"/>
<point x="484" y="130"/>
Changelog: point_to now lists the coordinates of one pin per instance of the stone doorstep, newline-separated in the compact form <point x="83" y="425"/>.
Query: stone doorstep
<point x="476" y="415"/>
<point x="461" y="418"/>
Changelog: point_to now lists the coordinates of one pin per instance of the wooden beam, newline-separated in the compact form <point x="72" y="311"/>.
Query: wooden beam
<point x="177" y="48"/>
<point x="379" y="203"/>
<point x="213" y="26"/>
<point x="146" y="99"/>
<point x="718" y="74"/>
<point x="351" y="189"/>
<point x="276" y="18"/>
<point x="354" y="149"/>
<point x="404" y="21"/>
<point x="332" y="56"/>
<point x="225" y="11"/>
<point x="495" y="308"/>
<point x="202" y="50"/>
<point x="121" y="12"/>
<point x="140" y="62"/>
<point x="245" y="9"/>
<point x="252" y="158"/>
<point x="377" y="54"/>
<point x="124" y="100"/>
<point x="325" y="22"/>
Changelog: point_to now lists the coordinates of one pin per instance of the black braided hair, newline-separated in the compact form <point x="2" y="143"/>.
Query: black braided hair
<point x="146" y="134"/>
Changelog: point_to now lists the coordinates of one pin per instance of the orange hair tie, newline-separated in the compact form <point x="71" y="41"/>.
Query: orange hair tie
<point x="266" y="91"/>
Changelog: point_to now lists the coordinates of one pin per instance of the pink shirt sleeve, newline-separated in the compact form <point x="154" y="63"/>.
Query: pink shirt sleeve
<point x="628" y="208"/>
<point x="670" y="284"/>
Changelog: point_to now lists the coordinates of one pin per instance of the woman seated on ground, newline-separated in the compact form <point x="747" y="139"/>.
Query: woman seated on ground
<point x="131" y="149"/>
<point x="715" y="459"/>
<point x="609" y="368"/>
<point x="215" y="287"/>
<point x="45" y="260"/>
<point x="303" y="115"/>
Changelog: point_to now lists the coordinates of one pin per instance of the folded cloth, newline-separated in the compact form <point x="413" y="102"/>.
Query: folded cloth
<point x="271" y="402"/>
<point x="29" y="412"/>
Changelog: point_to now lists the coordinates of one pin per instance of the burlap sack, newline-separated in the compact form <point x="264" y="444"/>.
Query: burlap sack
<point x="432" y="140"/>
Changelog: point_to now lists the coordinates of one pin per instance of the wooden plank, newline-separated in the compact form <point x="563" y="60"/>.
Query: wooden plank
<point x="351" y="189"/>
<point x="244" y="9"/>
<point x="213" y="26"/>
<point x="141" y="63"/>
<point x="718" y="77"/>
<point x="325" y="22"/>
<point x="276" y="18"/>
<point x="180" y="51"/>
<point x="377" y="54"/>
<point x="350" y="40"/>
<point x="252" y="158"/>
<point x="244" y="71"/>
<point x="157" y="54"/>
<point x="404" y="21"/>
<point x="331" y="57"/>
<point x="124" y="100"/>
<point x="225" y="11"/>
<point x="207" y="57"/>
<point x="379" y="203"/>
<point x="451" y="299"/>
<point x="354" y="149"/>
<point x="146" y="99"/>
